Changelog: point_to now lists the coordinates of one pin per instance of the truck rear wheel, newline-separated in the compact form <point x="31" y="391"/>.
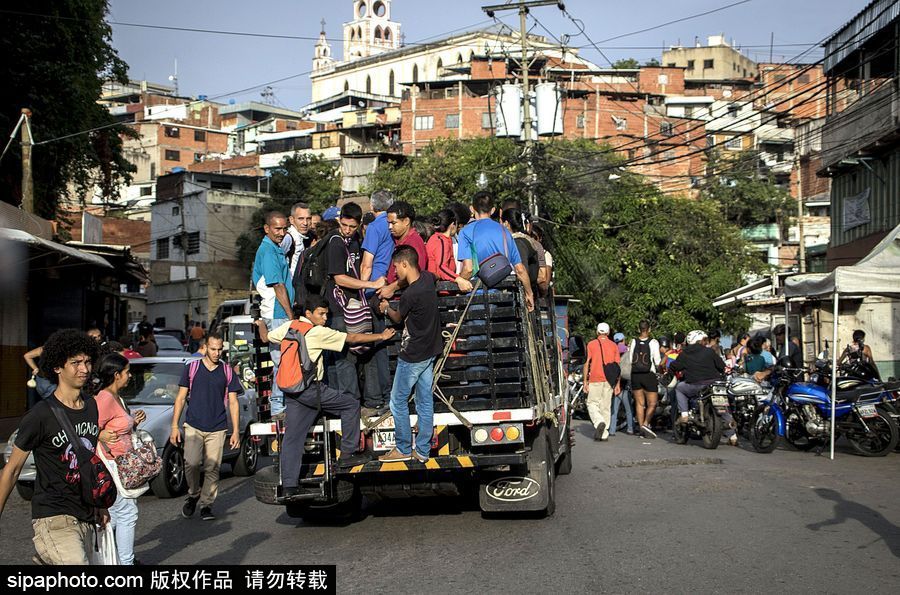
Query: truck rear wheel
<point x="564" y="466"/>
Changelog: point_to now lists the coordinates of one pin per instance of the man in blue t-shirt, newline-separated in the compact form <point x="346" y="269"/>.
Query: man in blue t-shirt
<point x="272" y="279"/>
<point x="205" y="425"/>
<point x="484" y="237"/>
<point x="377" y="250"/>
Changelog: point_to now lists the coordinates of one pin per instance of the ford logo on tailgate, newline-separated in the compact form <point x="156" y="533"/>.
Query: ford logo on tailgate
<point x="513" y="489"/>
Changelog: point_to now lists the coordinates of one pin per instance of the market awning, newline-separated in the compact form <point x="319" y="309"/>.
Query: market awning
<point x="17" y="235"/>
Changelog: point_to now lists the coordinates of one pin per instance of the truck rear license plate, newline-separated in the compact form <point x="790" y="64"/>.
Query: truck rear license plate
<point x="383" y="440"/>
<point x="866" y="411"/>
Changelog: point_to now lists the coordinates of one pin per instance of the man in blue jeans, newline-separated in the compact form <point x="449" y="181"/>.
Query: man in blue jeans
<point x="420" y="345"/>
<point x="272" y="279"/>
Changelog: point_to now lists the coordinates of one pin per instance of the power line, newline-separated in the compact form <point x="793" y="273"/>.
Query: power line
<point x="681" y="20"/>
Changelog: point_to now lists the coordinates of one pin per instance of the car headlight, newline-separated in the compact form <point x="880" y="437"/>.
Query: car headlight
<point x="143" y="436"/>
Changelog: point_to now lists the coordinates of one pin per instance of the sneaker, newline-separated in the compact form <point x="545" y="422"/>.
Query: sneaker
<point x="374" y="411"/>
<point x="646" y="432"/>
<point x="682" y="420"/>
<point x="190" y="505"/>
<point x="418" y="457"/>
<point x="394" y="456"/>
<point x="359" y="458"/>
<point x="290" y="493"/>
<point x="206" y="514"/>
<point x="733" y="441"/>
<point x="598" y="433"/>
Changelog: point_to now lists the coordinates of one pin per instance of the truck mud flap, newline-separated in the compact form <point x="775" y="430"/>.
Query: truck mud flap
<point x="518" y="492"/>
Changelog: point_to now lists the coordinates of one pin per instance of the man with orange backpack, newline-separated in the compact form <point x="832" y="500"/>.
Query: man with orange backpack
<point x="300" y="376"/>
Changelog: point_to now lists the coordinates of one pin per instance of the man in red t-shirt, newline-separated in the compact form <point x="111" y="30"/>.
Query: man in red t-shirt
<point x="600" y="390"/>
<point x="400" y="217"/>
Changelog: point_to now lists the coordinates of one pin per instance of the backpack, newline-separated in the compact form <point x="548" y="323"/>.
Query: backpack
<point x="625" y="366"/>
<point x="641" y="363"/>
<point x="192" y="371"/>
<point x="296" y="370"/>
<point x="529" y="258"/>
<point x="312" y="271"/>
<point x="98" y="489"/>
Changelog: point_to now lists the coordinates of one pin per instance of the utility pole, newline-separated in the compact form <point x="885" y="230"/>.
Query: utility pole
<point x="184" y="260"/>
<point x="27" y="142"/>
<point x="801" y="255"/>
<point x="523" y="7"/>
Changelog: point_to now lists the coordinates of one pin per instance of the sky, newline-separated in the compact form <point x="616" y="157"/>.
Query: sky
<point x="227" y="67"/>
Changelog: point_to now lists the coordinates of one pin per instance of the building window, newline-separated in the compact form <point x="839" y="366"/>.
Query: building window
<point x="199" y="135"/>
<point x="670" y="65"/>
<point x="733" y="111"/>
<point x="346" y="86"/>
<point x="146" y="190"/>
<point x="669" y="155"/>
<point x="176" y="211"/>
<point x="734" y="143"/>
<point x="803" y="79"/>
<point x="688" y="111"/>
<point x="152" y="171"/>
<point x="162" y="248"/>
<point x="173" y="155"/>
<point x="424" y="122"/>
<point x="708" y="64"/>
<point x="690" y="65"/>
<point x="710" y="141"/>
<point x="415" y="76"/>
<point x="215" y="185"/>
<point x="324" y="142"/>
<point x="198" y="157"/>
<point x="361" y="118"/>
<point x="487" y="120"/>
<point x="193" y="242"/>
<point x="368" y="84"/>
<point x="665" y="128"/>
<point x="452" y="121"/>
<point x="621" y="123"/>
<point x="172" y="131"/>
<point x="579" y="121"/>
<point x="391" y="84"/>
<point x="779" y="78"/>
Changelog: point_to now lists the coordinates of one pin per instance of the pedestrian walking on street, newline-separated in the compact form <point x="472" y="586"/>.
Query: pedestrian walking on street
<point x="420" y="345"/>
<point x="197" y="333"/>
<point x="272" y="279"/>
<point x="117" y="422"/>
<point x="646" y="357"/>
<point x="62" y="521"/>
<point x="602" y="373"/>
<point x="623" y="399"/>
<point x="211" y="384"/>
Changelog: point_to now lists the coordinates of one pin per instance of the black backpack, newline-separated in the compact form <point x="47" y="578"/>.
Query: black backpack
<point x="640" y="359"/>
<point x="312" y="272"/>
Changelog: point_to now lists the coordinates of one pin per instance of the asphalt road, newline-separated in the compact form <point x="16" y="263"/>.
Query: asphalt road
<point x="634" y="516"/>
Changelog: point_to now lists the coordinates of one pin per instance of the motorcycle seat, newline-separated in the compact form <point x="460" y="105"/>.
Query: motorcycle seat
<point x="858" y="394"/>
<point x="892" y="386"/>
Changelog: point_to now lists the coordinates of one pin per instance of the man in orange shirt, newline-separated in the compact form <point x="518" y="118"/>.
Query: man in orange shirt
<point x="197" y="333"/>
<point x="602" y="373"/>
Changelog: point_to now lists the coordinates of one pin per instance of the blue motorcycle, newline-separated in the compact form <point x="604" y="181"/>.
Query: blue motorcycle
<point x="800" y="413"/>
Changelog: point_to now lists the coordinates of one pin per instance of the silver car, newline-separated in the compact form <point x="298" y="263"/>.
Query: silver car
<point x="153" y="387"/>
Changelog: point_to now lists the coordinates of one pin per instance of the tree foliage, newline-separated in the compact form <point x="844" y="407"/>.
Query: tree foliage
<point x="626" y="64"/>
<point x="55" y="65"/>
<point x="745" y="191"/>
<point x="623" y="248"/>
<point x="298" y="178"/>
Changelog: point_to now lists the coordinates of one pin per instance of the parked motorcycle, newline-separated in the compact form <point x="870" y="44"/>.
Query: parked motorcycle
<point x="704" y="420"/>
<point x="800" y="413"/>
<point x="576" y="397"/>
<point x="744" y="396"/>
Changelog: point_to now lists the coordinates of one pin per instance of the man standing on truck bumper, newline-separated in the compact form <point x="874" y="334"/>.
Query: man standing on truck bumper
<point x="421" y="343"/>
<point x="303" y="408"/>
<point x="601" y="353"/>
<point x="271" y="277"/>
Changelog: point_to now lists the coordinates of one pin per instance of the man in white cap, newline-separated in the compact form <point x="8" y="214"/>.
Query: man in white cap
<point x="601" y="373"/>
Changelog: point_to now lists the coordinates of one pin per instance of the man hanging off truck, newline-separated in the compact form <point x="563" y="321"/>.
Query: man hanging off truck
<point x="303" y="342"/>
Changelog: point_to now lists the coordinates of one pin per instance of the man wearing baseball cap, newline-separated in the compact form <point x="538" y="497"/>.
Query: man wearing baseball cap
<point x="601" y="373"/>
<point x="701" y="367"/>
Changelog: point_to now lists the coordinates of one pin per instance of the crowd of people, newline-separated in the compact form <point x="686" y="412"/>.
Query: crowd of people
<point x="684" y="364"/>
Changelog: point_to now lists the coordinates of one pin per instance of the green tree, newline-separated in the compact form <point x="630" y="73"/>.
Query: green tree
<point x="55" y="61"/>
<point x="298" y="178"/>
<point x="627" y="64"/>
<point x="623" y="248"/>
<point x="652" y="62"/>
<point x="745" y="191"/>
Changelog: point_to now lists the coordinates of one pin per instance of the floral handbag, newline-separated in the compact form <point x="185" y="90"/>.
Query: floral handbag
<point x="139" y="465"/>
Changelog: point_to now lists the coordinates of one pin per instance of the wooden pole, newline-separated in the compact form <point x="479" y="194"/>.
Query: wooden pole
<point x="27" y="180"/>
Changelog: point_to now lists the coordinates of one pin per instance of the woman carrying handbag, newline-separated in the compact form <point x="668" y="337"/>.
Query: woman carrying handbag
<point x="117" y="423"/>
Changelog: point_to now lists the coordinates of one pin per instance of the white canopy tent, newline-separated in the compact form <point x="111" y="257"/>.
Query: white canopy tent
<point x="876" y="274"/>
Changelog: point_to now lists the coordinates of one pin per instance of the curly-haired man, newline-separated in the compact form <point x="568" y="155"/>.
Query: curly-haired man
<point x="61" y="521"/>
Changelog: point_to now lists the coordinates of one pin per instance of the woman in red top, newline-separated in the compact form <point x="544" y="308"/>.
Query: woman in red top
<point x="439" y="247"/>
<point x="116" y="423"/>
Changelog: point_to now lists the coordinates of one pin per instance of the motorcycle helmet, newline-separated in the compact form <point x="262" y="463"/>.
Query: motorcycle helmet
<point x="695" y="337"/>
<point x="664" y="342"/>
<point x="678" y="338"/>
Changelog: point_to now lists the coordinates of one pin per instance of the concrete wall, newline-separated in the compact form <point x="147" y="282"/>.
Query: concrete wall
<point x="728" y="63"/>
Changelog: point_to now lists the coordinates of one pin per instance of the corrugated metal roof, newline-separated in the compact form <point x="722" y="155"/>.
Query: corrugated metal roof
<point x="874" y="17"/>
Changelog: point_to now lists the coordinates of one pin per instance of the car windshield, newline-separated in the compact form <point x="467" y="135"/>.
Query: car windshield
<point x="153" y="384"/>
<point x="168" y="343"/>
